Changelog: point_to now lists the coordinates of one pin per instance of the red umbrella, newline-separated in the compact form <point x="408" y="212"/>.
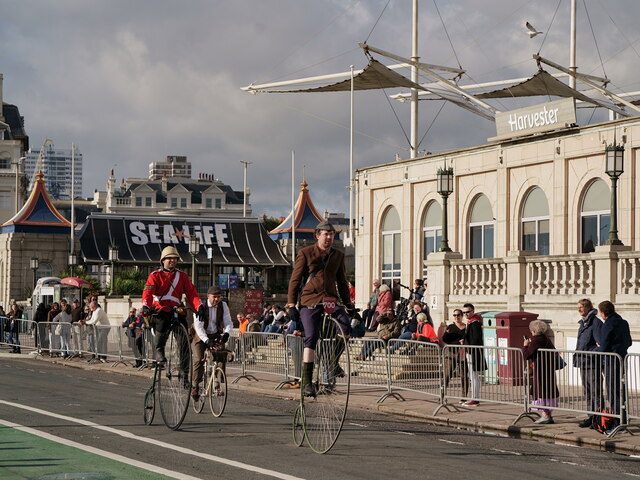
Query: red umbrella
<point x="76" y="282"/>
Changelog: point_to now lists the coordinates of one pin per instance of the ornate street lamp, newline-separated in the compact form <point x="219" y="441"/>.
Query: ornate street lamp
<point x="113" y="258"/>
<point x="73" y="261"/>
<point x="445" y="188"/>
<point x="34" y="264"/>
<point x="194" y="249"/>
<point x="614" y="168"/>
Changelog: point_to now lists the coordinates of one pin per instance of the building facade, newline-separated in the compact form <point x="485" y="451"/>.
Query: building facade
<point x="206" y="196"/>
<point x="60" y="166"/>
<point x="14" y="142"/>
<point x="528" y="222"/>
<point x="173" y="166"/>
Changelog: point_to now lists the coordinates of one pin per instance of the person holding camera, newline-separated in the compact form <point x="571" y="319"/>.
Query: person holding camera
<point x="211" y="330"/>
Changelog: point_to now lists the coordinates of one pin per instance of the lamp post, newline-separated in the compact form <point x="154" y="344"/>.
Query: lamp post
<point x="34" y="264"/>
<point x="194" y="248"/>
<point x="614" y="168"/>
<point x="113" y="258"/>
<point x="445" y="188"/>
<point x="73" y="261"/>
<point x="18" y="164"/>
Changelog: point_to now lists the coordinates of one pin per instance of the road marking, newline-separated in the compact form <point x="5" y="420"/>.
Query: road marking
<point x="357" y="424"/>
<point x="186" y="451"/>
<point x="506" y="451"/>
<point x="405" y="433"/>
<point x="449" y="441"/>
<point x="97" y="451"/>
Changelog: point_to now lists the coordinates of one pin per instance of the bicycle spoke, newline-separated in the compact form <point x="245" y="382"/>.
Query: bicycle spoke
<point x="324" y="414"/>
<point x="218" y="392"/>
<point x="174" y="385"/>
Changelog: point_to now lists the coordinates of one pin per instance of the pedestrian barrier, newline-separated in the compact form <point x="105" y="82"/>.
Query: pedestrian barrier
<point x="18" y="335"/>
<point x="576" y="382"/>
<point x="414" y="366"/>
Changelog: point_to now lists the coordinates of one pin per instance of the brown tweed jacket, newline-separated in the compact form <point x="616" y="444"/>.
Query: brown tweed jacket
<point x="329" y="279"/>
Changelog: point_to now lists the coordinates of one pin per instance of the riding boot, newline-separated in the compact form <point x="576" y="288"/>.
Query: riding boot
<point x="161" y="341"/>
<point x="336" y="369"/>
<point x="308" y="390"/>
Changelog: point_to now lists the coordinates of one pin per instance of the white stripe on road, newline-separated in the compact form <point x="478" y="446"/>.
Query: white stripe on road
<point x="506" y="451"/>
<point x="185" y="451"/>
<point x="102" y="453"/>
<point x="449" y="441"/>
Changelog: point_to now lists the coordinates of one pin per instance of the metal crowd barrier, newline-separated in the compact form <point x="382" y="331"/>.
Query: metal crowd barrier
<point x="263" y="353"/>
<point x="589" y="383"/>
<point x="414" y="366"/>
<point x="19" y="337"/>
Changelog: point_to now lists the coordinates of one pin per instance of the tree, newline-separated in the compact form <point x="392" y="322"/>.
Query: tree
<point x="270" y="223"/>
<point x="130" y="282"/>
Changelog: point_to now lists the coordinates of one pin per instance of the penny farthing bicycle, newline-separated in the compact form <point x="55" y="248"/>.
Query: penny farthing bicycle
<point x="319" y="419"/>
<point x="172" y="380"/>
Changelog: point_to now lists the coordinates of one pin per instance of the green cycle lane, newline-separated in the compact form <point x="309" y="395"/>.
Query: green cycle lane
<point x="27" y="456"/>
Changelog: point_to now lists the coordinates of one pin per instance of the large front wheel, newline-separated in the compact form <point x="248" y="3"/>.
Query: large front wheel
<point x="174" y="381"/>
<point x="324" y="414"/>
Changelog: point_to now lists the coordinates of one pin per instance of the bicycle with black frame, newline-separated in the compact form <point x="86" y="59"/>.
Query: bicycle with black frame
<point x="171" y="378"/>
<point x="214" y="380"/>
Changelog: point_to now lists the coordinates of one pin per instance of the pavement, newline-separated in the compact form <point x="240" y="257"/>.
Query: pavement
<point x="486" y="417"/>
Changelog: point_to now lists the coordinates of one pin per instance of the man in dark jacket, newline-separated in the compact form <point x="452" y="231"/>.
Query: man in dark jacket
<point x="614" y="337"/>
<point x="318" y="273"/>
<point x="475" y="356"/>
<point x="589" y="365"/>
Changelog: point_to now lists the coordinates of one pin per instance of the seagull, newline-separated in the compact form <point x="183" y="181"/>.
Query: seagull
<point x="532" y="30"/>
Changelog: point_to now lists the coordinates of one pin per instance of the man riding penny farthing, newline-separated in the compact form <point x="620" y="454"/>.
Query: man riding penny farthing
<point x="161" y="300"/>
<point x="319" y="280"/>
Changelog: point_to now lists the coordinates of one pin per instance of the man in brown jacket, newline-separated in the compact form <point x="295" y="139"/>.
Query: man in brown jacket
<point x="319" y="272"/>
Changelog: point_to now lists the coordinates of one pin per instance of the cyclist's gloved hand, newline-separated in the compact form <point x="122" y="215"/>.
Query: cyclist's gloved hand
<point x="202" y="311"/>
<point x="225" y="337"/>
<point x="146" y="311"/>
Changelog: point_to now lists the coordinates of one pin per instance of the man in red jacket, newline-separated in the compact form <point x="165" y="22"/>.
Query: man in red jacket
<point x="162" y="292"/>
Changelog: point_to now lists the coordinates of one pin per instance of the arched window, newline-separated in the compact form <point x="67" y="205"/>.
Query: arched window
<point x="535" y="222"/>
<point x="431" y="231"/>
<point x="390" y="247"/>
<point x="44" y="270"/>
<point x="595" y="216"/>
<point x="481" y="229"/>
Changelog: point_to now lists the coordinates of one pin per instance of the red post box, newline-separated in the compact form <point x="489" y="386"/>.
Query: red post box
<point x="511" y="327"/>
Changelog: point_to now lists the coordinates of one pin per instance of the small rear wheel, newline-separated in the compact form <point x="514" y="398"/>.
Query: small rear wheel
<point x="149" y="406"/>
<point x="298" y="427"/>
<point x="218" y="392"/>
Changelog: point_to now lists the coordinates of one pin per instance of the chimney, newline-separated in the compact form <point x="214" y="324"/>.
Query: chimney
<point x="1" y="80"/>
<point x="163" y="182"/>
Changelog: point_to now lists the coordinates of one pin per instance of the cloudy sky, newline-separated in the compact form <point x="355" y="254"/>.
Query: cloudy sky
<point x="133" y="81"/>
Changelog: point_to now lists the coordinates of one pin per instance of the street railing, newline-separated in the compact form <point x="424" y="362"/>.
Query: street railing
<point x="576" y="382"/>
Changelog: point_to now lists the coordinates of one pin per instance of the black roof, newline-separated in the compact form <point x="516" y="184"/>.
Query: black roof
<point x="194" y="186"/>
<point x="13" y="118"/>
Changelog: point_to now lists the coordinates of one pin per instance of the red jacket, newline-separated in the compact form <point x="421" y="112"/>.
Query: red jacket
<point x="385" y="302"/>
<point x="426" y="330"/>
<point x="165" y="289"/>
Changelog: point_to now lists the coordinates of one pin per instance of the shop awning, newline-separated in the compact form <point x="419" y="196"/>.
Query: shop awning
<point x="238" y="242"/>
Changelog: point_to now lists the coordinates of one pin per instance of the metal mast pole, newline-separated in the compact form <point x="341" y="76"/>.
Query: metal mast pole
<point x="572" y="45"/>
<point x="414" y="78"/>
<point x="293" y="206"/>
<point x="244" y="186"/>
<point x="73" y="181"/>
<point x="351" y="182"/>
